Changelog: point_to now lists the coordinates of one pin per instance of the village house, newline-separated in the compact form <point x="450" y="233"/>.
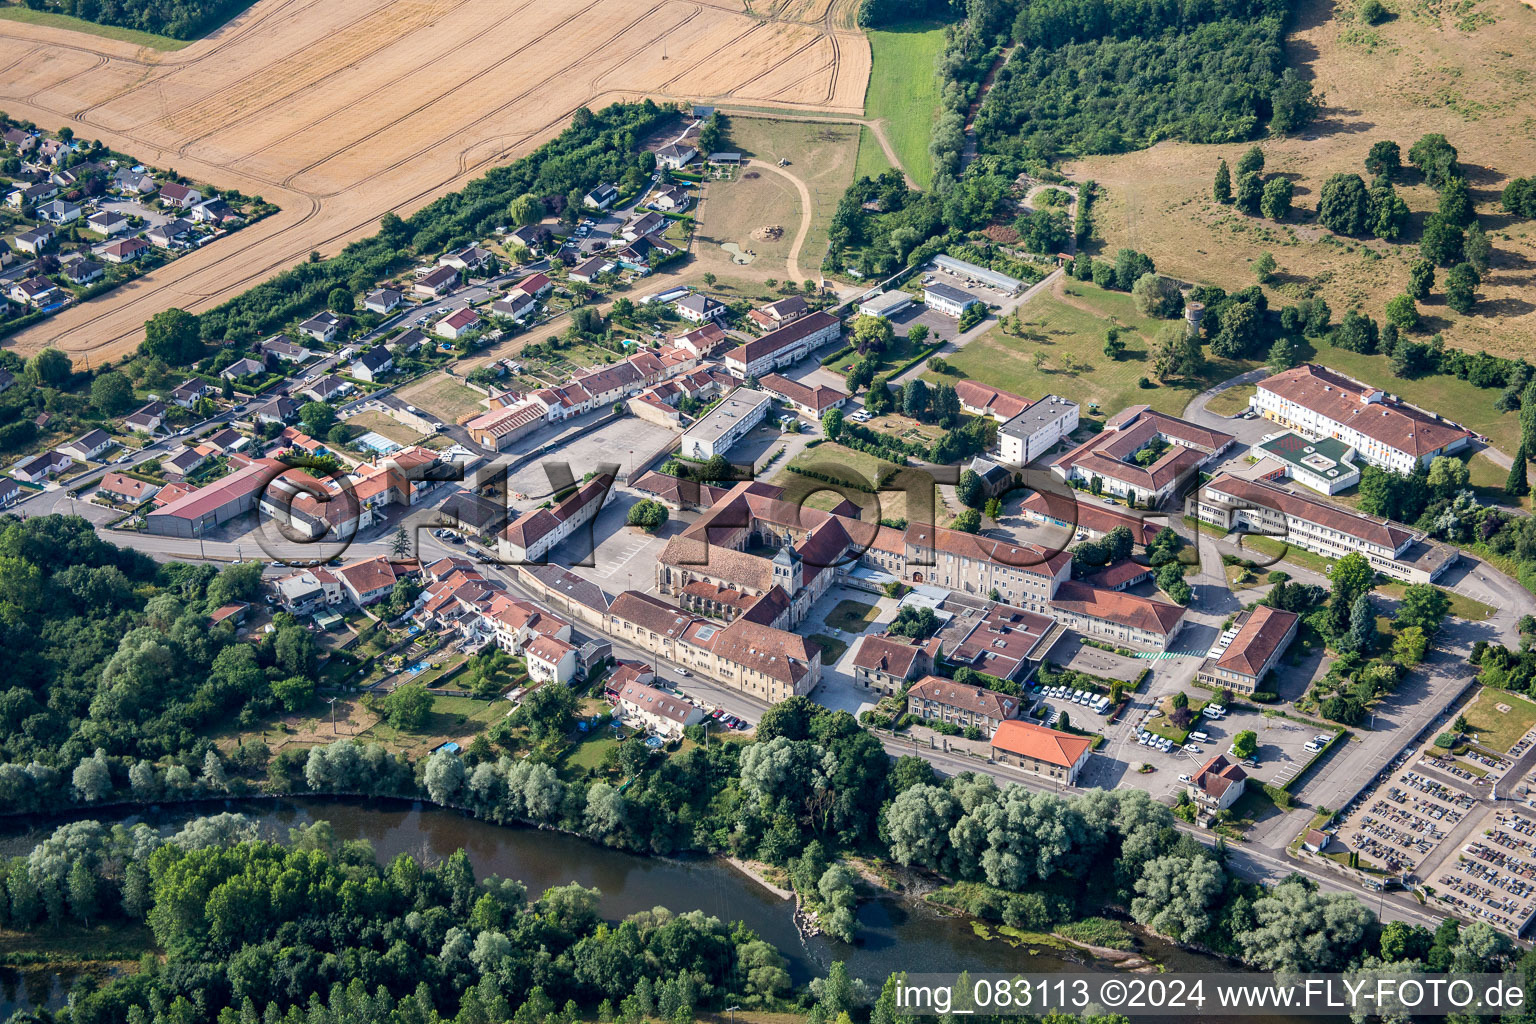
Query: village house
<point x="170" y="235"/>
<point x="126" y="489"/>
<point x="777" y="314"/>
<point x="124" y="250"/>
<point x="885" y="664"/>
<point x="698" y="308"/>
<point x="147" y="419"/>
<point x="383" y="300"/>
<point x="436" y="282"/>
<point x="280" y="346"/>
<point x="1044" y="753"/>
<point x="33" y="241"/>
<point x="180" y="196"/>
<point x="40" y="467"/>
<point x="107" y="222"/>
<point x="372" y="363"/>
<point x="457" y="324"/>
<point x="936" y="699"/>
<point x="89" y="446"/>
<point x="1217" y="786"/>
<point x="601" y="197"/>
<point x="656" y="711"/>
<point x="323" y="326"/>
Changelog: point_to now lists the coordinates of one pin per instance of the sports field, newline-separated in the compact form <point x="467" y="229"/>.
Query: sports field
<point x="341" y="112"/>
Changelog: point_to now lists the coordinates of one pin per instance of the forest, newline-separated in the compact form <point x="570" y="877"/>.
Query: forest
<point x="595" y="147"/>
<point x="108" y="650"/>
<point x="179" y="19"/>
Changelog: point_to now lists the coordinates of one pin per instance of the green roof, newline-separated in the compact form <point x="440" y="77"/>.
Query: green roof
<point x="1325" y="457"/>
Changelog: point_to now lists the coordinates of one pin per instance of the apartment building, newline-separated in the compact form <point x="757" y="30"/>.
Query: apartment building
<point x="1245" y="654"/>
<point x="1381" y="429"/>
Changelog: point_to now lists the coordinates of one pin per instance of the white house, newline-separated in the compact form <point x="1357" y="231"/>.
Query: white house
<point x="457" y="324"/>
<point x="323" y="326"/>
<point x="947" y="299"/>
<point x="383" y="300"/>
<point x="601" y="197"/>
<point x="107" y="222"/>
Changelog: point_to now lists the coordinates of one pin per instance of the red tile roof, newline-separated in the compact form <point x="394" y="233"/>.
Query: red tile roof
<point x="1218" y="775"/>
<point x="1347" y="402"/>
<point x="1382" y="532"/>
<point x="1025" y="739"/>
<point x="974" y="699"/>
<point x="1115" y="606"/>
<point x="1258" y="640"/>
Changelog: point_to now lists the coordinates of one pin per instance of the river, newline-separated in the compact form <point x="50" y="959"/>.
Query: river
<point x="894" y="934"/>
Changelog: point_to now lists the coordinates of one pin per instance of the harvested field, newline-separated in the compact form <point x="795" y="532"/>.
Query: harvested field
<point x="341" y="112"/>
<point x="1461" y="70"/>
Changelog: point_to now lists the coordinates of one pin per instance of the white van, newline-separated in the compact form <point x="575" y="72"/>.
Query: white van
<point x="1199" y="736"/>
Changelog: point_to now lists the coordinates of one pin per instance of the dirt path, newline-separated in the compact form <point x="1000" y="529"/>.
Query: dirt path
<point x="792" y="261"/>
<point x="968" y="153"/>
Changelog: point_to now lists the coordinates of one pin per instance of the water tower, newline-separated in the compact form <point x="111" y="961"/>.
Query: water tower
<point x="1194" y="313"/>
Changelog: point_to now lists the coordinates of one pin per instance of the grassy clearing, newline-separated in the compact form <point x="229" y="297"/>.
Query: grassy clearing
<point x="452" y="718"/>
<point x="1233" y="401"/>
<point x="128" y="35"/>
<point x="852" y="616"/>
<point x="1279" y="549"/>
<point x="445" y="398"/>
<point x="831" y="648"/>
<point x="1161" y="725"/>
<point x="385" y="425"/>
<point x="1414" y="74"/>
<point x="1499" y="730"/>
<point x="897" y="352"/>
<point x="1069" y="325"/>
<point x="76" y="943"/>
<point x="1462" y="606"/>
<point x="900" y="498"/>
<point x="904" y="91"/>
<point x="823" y="156"/>
<point x="871" y="162"/>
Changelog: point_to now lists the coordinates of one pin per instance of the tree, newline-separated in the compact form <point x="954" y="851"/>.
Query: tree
<point x="1435" y="158"/>
<point x="92" y="778"/>
<point x="49" y="368"/>
<point x="213" y="771"/>
<point x="1424" y="606"/>
<point x="111" y="393"/>
<point x="1447" y="476"/>
<point x="524" y="210"/>
<point x="1221" y="188"/>
<point x="1177" y="895"/>
<point x="969" y="489"/>
<point x="1245" y="743"/>
<point x="548" y="712"/>
<point x="647" y="514"/>
<point x="1388" y="214"/>
<point x="1356" y="333"/>
<point x="1276" y="202"/>
<point x="1362" y="625"/>
<point x="1296" y="928"/>
<point x="407" y="706"/>
<point x="294" y="692"/>
<point x="1384" y="160"/>
<point x="1130" y="265"/>
<point x="1421" y="278"/>
<point x="1292" y="103"/>
<point x="443" y="776"/>
<point x="832" y="424"/>
<point x="1402" y="312"/>
<point x="914" y="400"/>
<point x="1251" y="162"/>
<point x="1478" y="248"/>
<point x="172" y="335"/>
<point x="1351" y="576"/>
<point x="1282" y="356"/>
<point x="1517" y="486"/>
<point x="1113" y="346"/>
<point x="1410" y="645"/>
<point x="1264" y="267"/>
<point x="317" y="418"/>
<point x="1157" y="296"/>
<point x="1456" y="203"/>
<point x="340" y="301"/>
<point x="1461" y="288"/>
<point x="1250" y="193"/>
<point x="1344" y="205"/>
<point x="400" y="542"/>
<point x="1442" y="242"/>
<point x="968" y="521"/>
<point x="1177" y="353"/>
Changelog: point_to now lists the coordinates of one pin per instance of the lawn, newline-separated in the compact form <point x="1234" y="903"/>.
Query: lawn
<point x="901" y="498"/>
<point x="852" y="616"/>
<point x="452" y="718"/>
<point x="127" y="35"/>
<point x="831" y="648"/>
<point x="1275" y="548"/>
<point x="872" y="162"/>
<point x="1066" y="330"/>
<point x="444" y="397"/>
<point x="1160" y="724"/>
<point x="904" y="90"/>
<point x="1233" y="401"/>
<point x="589" y="753"/>
<point x="1499" y="730"/>
<point x="1462" y="606"/>
<point x="386" y="425"/>
<point x="897" y="352"/>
